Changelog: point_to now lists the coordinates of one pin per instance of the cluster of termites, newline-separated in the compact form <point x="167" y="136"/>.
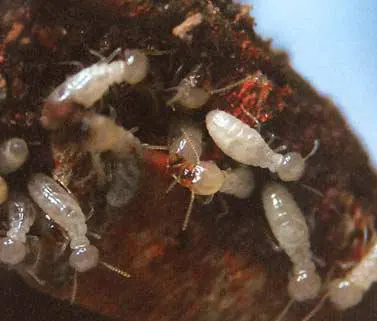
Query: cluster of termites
<point x="115" y="153"/>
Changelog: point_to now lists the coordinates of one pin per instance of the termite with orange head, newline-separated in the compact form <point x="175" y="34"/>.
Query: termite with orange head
<point x="200" y="177"/>
<point x="88" y="86"/>
<point x="246" y="145"/>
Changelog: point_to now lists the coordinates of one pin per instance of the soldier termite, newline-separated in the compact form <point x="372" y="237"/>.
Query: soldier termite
<point x="21" y="216"/>
<point x="245" y="145"/>
<point x="290" y="229"/>
<point x="90" y="84"/>
<point x="200" y="177"/>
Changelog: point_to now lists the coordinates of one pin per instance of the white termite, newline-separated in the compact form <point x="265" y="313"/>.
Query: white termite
<point x="13" y="154"/>
<point x="58" y="204"/>
<point x="245" y="145"/>
<point x="291" y="231"/>
<point x="21" y="216"/>
<point x="189" y="96"/>
<point x="90" y="84"/>
<point x="3" y="190"/>
<point x="104" y="135"/>
<point x="347" y="292"/>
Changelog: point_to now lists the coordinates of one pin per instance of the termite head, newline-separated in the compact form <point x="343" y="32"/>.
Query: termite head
<point x="137" y="66"/>
<point x="14" y="152"/>
<point x="304" y="285"/>
<point x="344" y="294"/>
<point x="204" y="178"/>
<point x="12" y="251"/>
<point x="292" y="167"/>
<point x="84" y="258"/>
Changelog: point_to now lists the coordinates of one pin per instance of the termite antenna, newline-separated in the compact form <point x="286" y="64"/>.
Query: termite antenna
<point x="192" y="145"/>
<point x="172" y="185"/>
<point x="155" y="147"/>
<point x="282" y="314"/>
<point x="36" y="278"/>
<point x="74" y="288"/>
<point x="188" y="212"/>
<point x="104" y="59"/>
<point x="317" y="307"/>
<point x="313" y="151"/>
<point x="226" y="88"/>
<point x="116" y="270"/>
<point x="154" y="52"/>
<point x="258" y="125"/>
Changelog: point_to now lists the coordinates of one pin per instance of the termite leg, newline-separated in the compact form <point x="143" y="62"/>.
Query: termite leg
<point x="224" y="207"/>
<point x="314" y="150"/>
<point x="282" y="314"/>
<point x="74" y="288"/>
<point x="188" y="212"/>
<point x="280" y="149"/>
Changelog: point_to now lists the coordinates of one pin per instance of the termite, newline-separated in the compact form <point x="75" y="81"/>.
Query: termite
<point x="90" y="84"/>
<point x="13" y="154"/>
<point x="189" y="96"/>
<point x="21" y="216"/>
<point x="3" y="190"/>
<point x="345" y="293"/>
<point x="58" y="204"/>
<point x="104" y="135"/>
<point x="62" y="207"/>
<point x="245" y="145"/>
<point x="202" y="177"/>
<point x="291" y="231"/>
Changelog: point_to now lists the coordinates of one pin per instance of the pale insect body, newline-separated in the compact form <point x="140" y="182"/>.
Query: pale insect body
<point x="192" y="97"/>
<point x="205" y="177"/>
<point x="245" y="145"/>
<point x="290" y="229"/>
<point x="21" y="216"/>
<point x="90" y="84"/>
<point x="104" y="135"/>
<point x="347" y="292"/>
<point x="13" y="154"/>
<point x="58" y="204"/>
